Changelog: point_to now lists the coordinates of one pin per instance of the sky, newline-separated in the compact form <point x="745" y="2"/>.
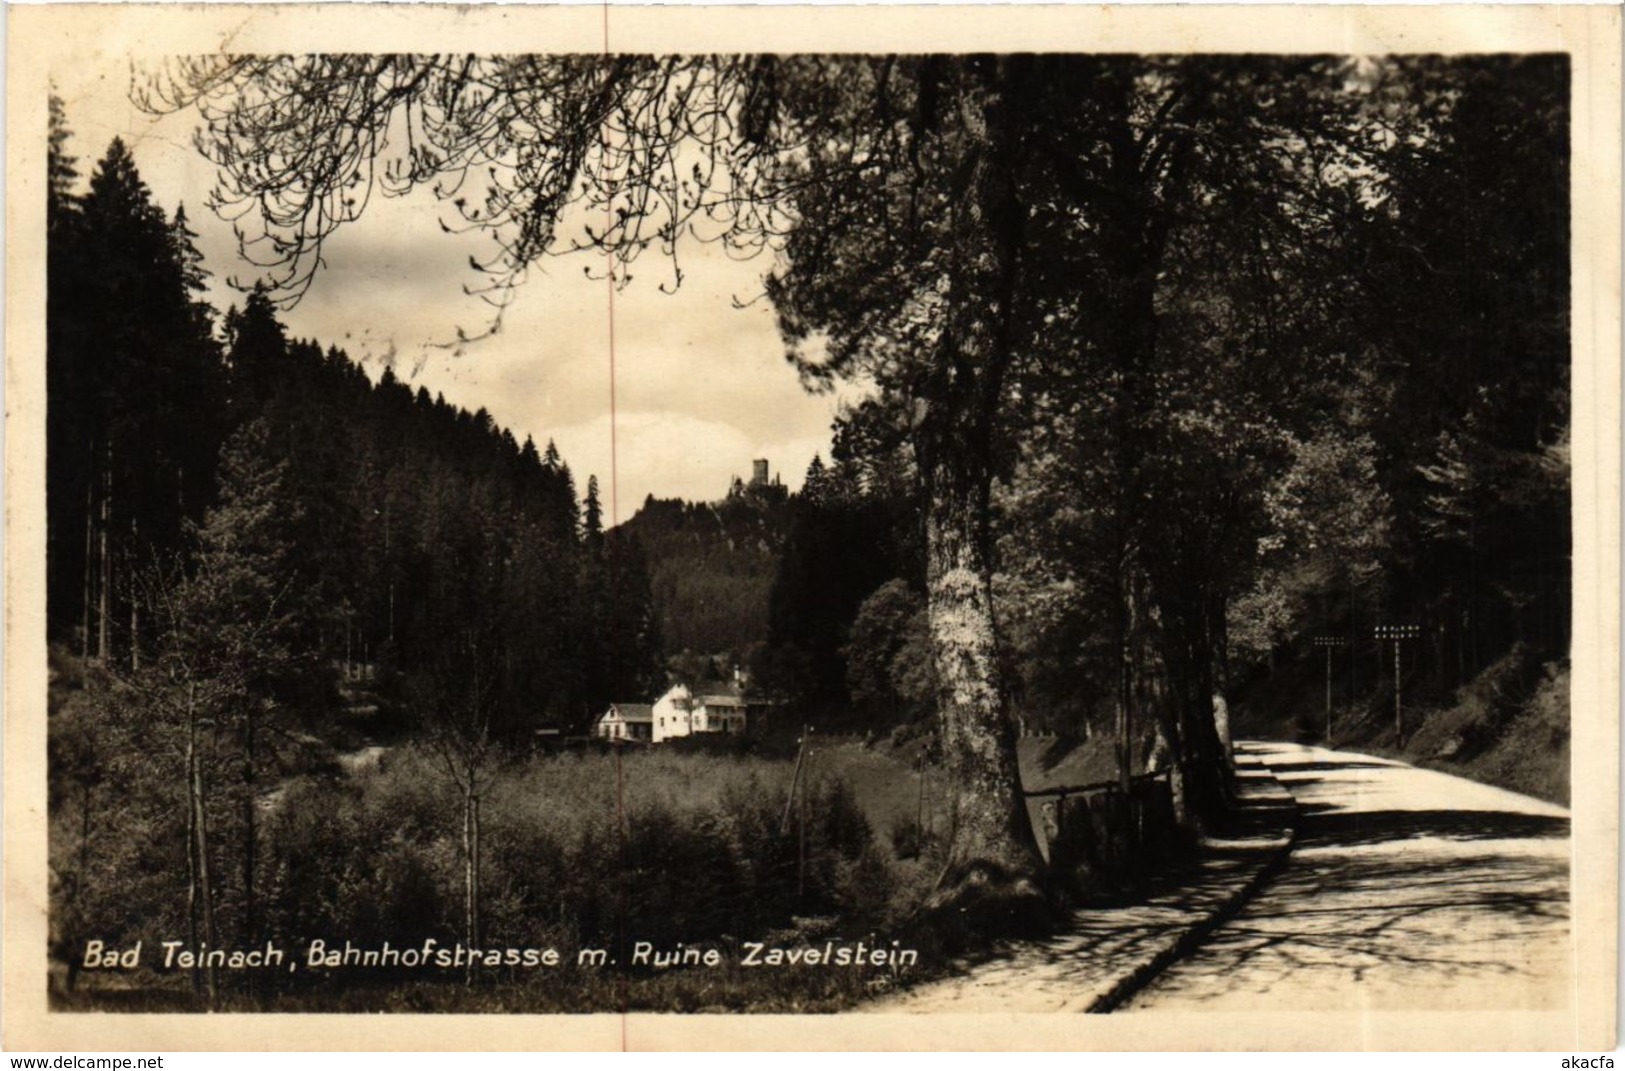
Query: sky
<point x="701" y="386"/>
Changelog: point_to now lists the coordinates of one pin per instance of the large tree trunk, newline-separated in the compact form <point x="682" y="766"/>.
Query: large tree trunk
<point x="992" y="878"/>
<point x="992" y="850"/>
<point x="1196" y="771"/>
<point x="1205" y="787"/>
<point x="1124" y="599"/>
<point x="1180" y="789"/>
<point x="1131" y="243"/>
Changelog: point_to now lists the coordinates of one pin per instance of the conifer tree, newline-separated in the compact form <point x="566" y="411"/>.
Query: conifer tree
<point x="61" y="174"/>
<point x="592" y="514"/>
<point x="134" y="391"/>
<point x="238" y="627"/>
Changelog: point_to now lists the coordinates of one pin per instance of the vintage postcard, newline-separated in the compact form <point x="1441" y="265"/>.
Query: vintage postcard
<point x="776" y="528"/>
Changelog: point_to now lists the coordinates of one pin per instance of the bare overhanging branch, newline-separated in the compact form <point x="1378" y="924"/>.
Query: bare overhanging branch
<point x="633" y="151"/>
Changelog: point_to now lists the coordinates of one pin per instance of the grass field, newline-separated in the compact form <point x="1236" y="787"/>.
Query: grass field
<point x="678" y="847"/>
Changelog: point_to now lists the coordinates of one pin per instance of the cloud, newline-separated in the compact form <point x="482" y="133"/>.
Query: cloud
<point x="700" y="385"/>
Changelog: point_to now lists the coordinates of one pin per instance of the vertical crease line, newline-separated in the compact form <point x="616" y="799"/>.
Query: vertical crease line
<point x="614" y="520"/>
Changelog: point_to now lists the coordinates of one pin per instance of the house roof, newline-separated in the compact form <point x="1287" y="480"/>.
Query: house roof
<point x="717" y="691"/>
<point x="631" y="711"/>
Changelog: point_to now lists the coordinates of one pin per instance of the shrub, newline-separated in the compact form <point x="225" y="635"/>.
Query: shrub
<point x="577" y="850"/>
<point x="908" y="838"/>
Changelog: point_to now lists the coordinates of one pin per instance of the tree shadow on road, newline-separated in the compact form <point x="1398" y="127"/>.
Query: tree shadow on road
<point x="1399" y="908"/>
<point x="1324" y="824"/>
<point x="1324" y="766"/>
<point x="1110" y="936"/>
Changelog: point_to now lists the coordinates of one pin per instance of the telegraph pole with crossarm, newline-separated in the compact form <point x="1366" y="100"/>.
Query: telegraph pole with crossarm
<point x="1399" y="634"/>
<point x="1329" y="642"/>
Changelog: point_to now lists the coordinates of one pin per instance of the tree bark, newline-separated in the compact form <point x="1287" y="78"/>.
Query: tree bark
<point x="1125" y="678"/>
<point x="1204" y="761"/>
<point x="992" y="878"/>
<point x="992" y="852"/>
<point x="1179" y="787"/>
<point x="1196" y="775"/>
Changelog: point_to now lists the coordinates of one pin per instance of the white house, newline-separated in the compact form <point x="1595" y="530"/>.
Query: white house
<point x="722" y="708"/>
<point x="626" y="721"/>
<point x="674" y="714"/>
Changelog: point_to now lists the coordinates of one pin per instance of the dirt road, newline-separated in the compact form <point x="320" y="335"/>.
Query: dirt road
<point x="1407" y="889"/>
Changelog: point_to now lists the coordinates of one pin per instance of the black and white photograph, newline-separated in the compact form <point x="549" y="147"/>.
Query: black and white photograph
<point x="890" y="529"/>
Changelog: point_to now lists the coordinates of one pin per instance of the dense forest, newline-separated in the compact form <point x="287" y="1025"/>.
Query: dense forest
<point x="772" y="583"/>
<point x="1349" y="407"/>
<point x="711" y="565"/>
<point x="209" y="468"/>
<point x="1176" y="365"/>
<point x="258" y="556"/>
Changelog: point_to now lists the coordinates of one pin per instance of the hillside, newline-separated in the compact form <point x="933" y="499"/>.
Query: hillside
<point x="711" y="566"/>
<point x="1507" y="726"/>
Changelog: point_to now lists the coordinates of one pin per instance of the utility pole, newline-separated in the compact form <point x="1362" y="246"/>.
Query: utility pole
<point x="919" y="814"/>
<point x="801" y="821"/>
<point x="795" y="780"/>
<point x="1329" y="642"/>
<point x="801" y="848"/>
<point x="1399" y="634"/>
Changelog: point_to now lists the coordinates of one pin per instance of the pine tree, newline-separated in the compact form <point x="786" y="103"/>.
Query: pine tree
<point x="183" y="248"/>
<point x="592" y="514"/>
<point x="257" y="350"/>
<point x="71" y="450"/>
<point x="239" y="627"/>
<point x="814" y="488"/>
<point x="61" y="174"/>
<point x="134" y="391"/>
